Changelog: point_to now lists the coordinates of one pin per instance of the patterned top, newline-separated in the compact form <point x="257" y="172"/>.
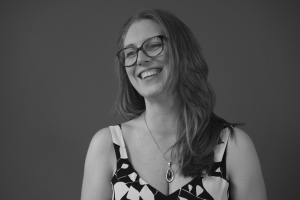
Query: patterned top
<point x="127" y="184"/>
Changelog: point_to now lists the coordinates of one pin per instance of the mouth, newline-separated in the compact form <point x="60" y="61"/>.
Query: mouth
<point x="149" y="73"/>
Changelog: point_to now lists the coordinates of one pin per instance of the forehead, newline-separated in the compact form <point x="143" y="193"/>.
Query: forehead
<point x="141" y="30"/>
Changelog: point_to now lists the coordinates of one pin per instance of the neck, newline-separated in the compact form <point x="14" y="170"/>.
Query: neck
<point x="162" y="115"/>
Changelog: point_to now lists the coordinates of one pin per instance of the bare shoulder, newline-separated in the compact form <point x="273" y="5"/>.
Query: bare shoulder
<point x="240" y="140"/>
<point x="102" y="139"/>
<point x="101" y="149"/>
<point x="100" y="146"/>
<point x="243" y="168"/>
<point x="240" y="146"/>
<point x="99" y="167"/>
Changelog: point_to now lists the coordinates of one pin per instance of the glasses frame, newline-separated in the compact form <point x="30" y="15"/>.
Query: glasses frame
<point x="161" y="37"/>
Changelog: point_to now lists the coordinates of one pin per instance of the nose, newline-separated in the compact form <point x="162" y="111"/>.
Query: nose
<point x="142" y="58"/>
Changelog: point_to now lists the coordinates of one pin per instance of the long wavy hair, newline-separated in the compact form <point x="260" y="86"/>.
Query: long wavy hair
<point x="199" y="129"/>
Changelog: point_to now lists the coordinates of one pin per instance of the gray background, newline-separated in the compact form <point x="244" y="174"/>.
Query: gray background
<point x="57" y="84"/>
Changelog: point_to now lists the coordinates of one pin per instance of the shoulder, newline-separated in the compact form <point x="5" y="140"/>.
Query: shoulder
<point x="243" y="167"/>
<point x="240" y="146"/>
<point x="101" y="147"/>
<point x="101" y="142"/>
<point x="99" y="166"/>
<point x="240" y="140"/>
<point x="101" y="136"/>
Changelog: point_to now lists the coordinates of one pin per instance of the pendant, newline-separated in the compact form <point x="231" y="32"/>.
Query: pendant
<point x="170" y="174"/>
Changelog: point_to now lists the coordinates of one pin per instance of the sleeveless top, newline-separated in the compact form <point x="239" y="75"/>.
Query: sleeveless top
<point x="127" y="184"/>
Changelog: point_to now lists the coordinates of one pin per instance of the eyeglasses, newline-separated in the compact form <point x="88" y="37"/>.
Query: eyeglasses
<point x="151" y="47"/>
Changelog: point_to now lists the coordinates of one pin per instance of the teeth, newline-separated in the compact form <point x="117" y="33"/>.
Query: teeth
<point x="150" y="73"/>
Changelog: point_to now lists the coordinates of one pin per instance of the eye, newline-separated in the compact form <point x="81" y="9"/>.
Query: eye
<point x="129" y="53"/>
<point x="152" y="46"/>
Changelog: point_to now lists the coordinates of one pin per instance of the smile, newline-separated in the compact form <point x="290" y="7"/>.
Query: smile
<point x="150" y="73"/>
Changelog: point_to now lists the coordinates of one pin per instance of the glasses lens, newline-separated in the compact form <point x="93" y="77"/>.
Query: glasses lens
<point x="128" y="56"/>
<point x="153" y="46"/>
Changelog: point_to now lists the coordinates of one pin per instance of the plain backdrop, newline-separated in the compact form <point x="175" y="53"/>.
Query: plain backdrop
<point x="58" y="85"/>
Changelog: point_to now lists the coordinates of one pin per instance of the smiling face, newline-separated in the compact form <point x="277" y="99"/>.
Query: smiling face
<point x="149" y="75"/>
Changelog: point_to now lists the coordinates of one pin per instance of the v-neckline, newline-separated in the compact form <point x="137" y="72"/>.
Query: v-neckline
<point x="139" y="177"/>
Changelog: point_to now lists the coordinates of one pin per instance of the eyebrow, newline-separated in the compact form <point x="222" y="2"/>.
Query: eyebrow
<point x="130" y="45"/>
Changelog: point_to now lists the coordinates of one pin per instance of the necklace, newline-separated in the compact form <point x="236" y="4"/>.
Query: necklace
<point x="170" y="174"/>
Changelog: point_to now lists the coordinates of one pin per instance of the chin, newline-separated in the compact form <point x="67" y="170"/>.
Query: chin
<point x="153" y="93"/>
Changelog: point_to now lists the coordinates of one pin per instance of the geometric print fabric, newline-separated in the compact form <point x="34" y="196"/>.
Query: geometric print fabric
<point x="127" y="185"/>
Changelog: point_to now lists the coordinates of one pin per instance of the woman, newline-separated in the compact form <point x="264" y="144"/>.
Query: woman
<point x="173" y="146"/>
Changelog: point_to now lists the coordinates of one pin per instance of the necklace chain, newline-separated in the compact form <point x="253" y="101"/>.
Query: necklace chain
<point x="169" y="163"/>
<point x="170" y="174"/>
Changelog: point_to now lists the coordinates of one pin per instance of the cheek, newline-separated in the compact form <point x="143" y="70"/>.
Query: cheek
<point x="165" y="57"/>
<point x="130" y="73"/>
<point x="165" y="61"/>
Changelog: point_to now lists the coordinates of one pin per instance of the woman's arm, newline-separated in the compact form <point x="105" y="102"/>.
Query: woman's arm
<point x="99" y="167"/>
<point x="243" y="167"/>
